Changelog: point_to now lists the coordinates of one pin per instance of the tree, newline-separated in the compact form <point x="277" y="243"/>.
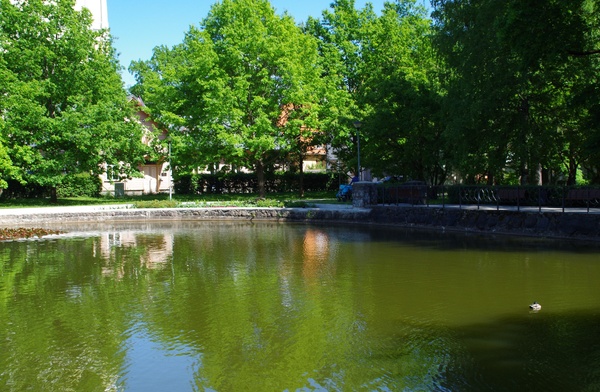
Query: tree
<point x="402" y="95"/>
<point x="63" y="105"/>
<point x="7" y="170"/>
<point x="224" y="88"/>
<point x="341" y="34"/>
<point x="514" y="90"/>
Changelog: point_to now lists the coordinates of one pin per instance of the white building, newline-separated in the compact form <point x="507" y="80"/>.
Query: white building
<point x="155" y="176"/>
<point x="99" y="12"/>
<point x="96" y="7"/>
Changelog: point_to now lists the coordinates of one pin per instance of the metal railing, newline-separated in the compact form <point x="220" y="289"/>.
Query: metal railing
<point x="552" y="198"/>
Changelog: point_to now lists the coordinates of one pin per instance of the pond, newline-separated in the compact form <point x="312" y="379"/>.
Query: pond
<point x="221" y="306"/>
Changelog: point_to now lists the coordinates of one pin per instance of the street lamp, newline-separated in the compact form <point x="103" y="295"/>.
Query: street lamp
<point x="170" y="173"/>
<point x="357" y="125"/>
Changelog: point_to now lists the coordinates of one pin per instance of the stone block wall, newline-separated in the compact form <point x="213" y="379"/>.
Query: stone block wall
<point x="364" y="194"/>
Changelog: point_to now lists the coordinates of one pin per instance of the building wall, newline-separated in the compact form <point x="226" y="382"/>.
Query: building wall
<point x="156" y="179"/>
<point x="99" y="12"/>
<point x="157" y="176"/>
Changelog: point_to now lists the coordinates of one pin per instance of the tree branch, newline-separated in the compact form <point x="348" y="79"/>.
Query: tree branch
<point x="581" y="54"/>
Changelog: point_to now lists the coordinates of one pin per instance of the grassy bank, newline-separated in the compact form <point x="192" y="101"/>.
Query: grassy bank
<point x="162" y="200"/>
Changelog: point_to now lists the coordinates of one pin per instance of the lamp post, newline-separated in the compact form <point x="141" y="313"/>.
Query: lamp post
<point x="357" y="125"/>
<point x="170" y="173"/>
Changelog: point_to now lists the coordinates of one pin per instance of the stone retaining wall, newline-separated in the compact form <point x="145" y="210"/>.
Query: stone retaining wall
<point x="544" y="224"/>
<point x="567" y="225"/>
<point x="249" y="214"/>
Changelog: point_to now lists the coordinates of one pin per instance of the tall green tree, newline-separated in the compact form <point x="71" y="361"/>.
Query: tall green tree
<point x="515" y="84"/>
<point x="402" y="95"/>
<point x="228" y="83"/>
<point x="342" y="32"/>
<point x="63" y="105"/>
<point x="7" y="169"/>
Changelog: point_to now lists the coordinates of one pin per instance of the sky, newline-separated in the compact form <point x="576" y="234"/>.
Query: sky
<point x="140" y="25"/>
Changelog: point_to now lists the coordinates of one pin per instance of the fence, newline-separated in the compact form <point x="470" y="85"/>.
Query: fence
<point x="499" y="197"/>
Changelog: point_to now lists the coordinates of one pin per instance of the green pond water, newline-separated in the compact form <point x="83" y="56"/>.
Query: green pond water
<point x="215" y="306"/>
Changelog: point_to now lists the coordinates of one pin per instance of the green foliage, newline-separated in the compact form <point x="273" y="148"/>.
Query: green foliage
<point x="341" y="35"/>
<point x="269" y="203"/>
<point x="479" y="92"/>
<point x="245" y="183"/>
<point x="7" y="170"/>
<point x="260" y="202"/>
<point x="402" y="96"/>
<point x="228" y="83"/>
<point x="71" y="185"/>
<point x="518" y="100"/>
<point x="19" y="190"/>
<point x="156" y="204"/>
<point x="81" y="184"/>
<point x="63" y="104"/>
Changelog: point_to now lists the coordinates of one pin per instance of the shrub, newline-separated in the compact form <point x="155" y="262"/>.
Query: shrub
<point x="268" y="203"/>
<point x="155" y="204"/>
<point x="82" y="184"/>
<point x="298" y="204"/>
<point x="246" y="183"/>
<point x="16" y="190"/>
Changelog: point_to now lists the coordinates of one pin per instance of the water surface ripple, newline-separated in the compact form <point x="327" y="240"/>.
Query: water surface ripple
<point x="209" y="306"/>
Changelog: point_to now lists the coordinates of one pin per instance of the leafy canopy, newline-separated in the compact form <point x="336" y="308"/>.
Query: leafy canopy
<point x="225" y="87"/>
<point x="62" y="103"/>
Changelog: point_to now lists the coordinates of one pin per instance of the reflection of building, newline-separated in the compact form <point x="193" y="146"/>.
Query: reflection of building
<point x="154" y="249"/>
<point x="315" y="251"/>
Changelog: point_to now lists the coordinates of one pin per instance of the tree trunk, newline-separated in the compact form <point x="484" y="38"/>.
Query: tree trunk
<point x="53" y="195"/>
<point x="545" y="176"/>
<point x="539" y="174"/>
<point x="524" y="175"/>
<point x="260" y="174"/>
<point x="301" y="176"/>
<point x="490" y="178"/>
<point x="572" y="178"/>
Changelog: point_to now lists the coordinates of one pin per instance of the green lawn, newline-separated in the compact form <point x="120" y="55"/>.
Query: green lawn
<point x="160" y="200"/>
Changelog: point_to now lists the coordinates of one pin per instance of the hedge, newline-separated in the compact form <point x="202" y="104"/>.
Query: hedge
<point x="74" y="185"/>
<point x="82" y="184"/>
<point x="278" y="182"/>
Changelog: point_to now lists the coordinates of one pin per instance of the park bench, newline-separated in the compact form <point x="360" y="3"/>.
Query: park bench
<point x="583" y="195"/>
<point x="413" y="194"/>
<point x="510" y="195"/>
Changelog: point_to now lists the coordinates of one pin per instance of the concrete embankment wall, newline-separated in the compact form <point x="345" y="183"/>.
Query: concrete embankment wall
<point x="567" y="225"/>
<point x="249" y="214"/>
<point x="541" y="224"/>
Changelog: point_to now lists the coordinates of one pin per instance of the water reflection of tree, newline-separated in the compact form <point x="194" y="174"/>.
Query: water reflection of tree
<point x="559" y="353"/>
<point x="263" y="305"/>
<point x="226" y="303"/>
<point x="58" y="327"/>
<point x="277" y="310"/>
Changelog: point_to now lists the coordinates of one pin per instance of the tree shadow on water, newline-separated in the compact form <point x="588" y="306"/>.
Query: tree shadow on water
<point x="532" y="352"/>
<point x="536" y="352"/>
